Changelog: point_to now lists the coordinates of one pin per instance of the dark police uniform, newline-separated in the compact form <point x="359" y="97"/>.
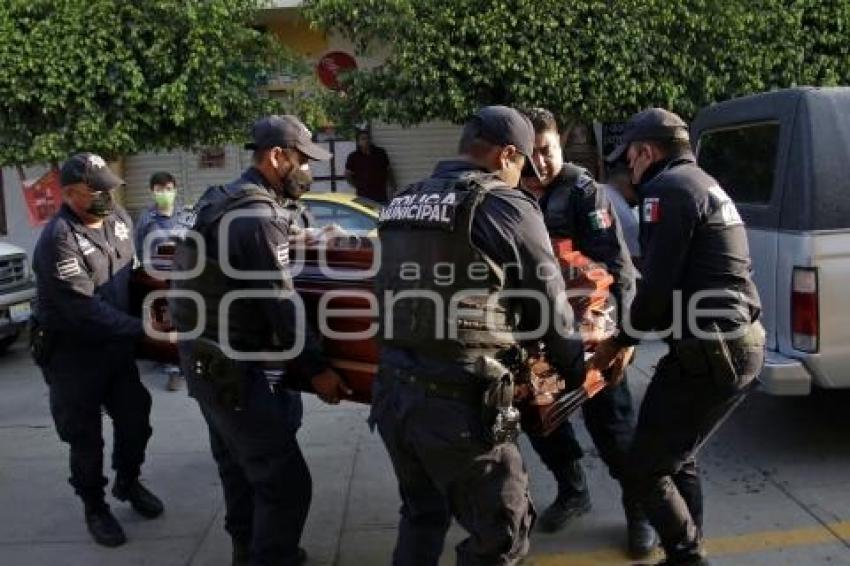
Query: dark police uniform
<point x="252" y="425"/>
<point x="694" y="242"/>
<point x="426" y="404"/>
<point x="89" y="358"/>
<point x="576" y="207"/>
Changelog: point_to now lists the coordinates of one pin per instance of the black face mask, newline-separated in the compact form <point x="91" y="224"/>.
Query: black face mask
<point x="101" y="205"/>
<point x="296" y="183"/>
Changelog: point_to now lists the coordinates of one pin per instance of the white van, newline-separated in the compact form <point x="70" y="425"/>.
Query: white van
<point x="784" y="158"/>
<point x="17" y="291"/>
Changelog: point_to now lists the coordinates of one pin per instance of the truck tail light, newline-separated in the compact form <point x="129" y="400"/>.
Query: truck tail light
<point x="804" y="309"/>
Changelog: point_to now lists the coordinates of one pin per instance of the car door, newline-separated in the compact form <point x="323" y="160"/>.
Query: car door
<point x="744" y="145"/>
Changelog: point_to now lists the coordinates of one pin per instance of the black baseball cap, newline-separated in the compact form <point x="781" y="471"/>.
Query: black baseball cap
<point x="285" y="131"/>
<point x="650" y="124"/>
<point x="502" y="125"/>
<point x="91" y="169"/>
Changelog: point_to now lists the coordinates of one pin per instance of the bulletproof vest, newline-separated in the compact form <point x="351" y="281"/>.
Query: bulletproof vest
<point x="245" y="330"/>
<point x="438" y="293"/>
<point x="560" y="198"/>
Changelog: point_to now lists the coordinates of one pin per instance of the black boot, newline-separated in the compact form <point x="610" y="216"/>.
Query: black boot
<point x="690" y="555"/>
<point x="141" y="499"/>
<point x="242" y="554"/>
<point x="103" y="526"/>
<point x="573" y="499"/>
<point x="642" y="539"/>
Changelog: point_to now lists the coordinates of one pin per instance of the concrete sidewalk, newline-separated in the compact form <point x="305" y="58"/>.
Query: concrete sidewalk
<point x="776" y="486"/>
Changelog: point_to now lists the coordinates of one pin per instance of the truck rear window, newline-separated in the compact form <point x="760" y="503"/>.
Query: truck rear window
<point x="742" y="159"/>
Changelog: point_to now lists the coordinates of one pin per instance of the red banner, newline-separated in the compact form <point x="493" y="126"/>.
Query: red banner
<point x="43" y="197"/>
<point x="331" y="65"/>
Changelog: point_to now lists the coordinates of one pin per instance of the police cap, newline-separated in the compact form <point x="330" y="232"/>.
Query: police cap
<point x="501" y="125"/>
<point x="90" y="169"/>
<point x="285" y="131"/>
<point x="650" y="124"/>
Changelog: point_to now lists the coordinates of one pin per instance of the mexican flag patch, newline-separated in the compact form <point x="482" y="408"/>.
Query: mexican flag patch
<point x="651" y="210"/>
<point x="600" y="219"/>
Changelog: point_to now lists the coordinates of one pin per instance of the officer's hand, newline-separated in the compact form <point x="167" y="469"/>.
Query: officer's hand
<point x="330" y="387"/>
<point x="604" y="355"/>
<point x="617" y="371"/>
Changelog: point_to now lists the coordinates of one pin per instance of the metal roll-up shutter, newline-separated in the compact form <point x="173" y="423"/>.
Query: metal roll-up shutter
<point x="415" y="150"/>
<point x="199" y="177"/>
<point x="138" y="169"/>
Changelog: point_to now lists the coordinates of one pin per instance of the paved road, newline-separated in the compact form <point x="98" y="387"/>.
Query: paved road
<point x="776" y="482"/>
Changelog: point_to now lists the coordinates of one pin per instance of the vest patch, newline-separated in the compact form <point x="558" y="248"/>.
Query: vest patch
<point x="68" y="268"/>
<point x="728" y="211"/>
<point x="585" y="182"/>
<point x="600" y="219"/>
<point x="85" y="244"/>
<point x="282" y="254"/>
<point x="121" y="231"/>
<point x="436" y="210"/>
<point x="651" y="210"/>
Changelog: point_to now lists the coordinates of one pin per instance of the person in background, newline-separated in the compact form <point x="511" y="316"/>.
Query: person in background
<point x="621" y="192"/>
<point x="159" y="217"/>
<point x="160" y="214"/>
<point x="368" y="170"/>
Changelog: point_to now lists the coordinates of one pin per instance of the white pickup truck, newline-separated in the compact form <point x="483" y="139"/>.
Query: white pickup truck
<point x="784" y="158"/>
<point x="17" y="291"/>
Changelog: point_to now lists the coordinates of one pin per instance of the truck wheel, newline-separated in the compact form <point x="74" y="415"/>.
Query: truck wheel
<point x="7" y="342"/>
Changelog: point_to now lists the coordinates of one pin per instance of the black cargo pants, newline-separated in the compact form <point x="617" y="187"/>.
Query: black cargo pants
<point x="82" y="380"/>
<point x="266" y="481"/>
<point x="609" y="418"/>
<point x="681" y="410"/>
<point x="446" y="469"/>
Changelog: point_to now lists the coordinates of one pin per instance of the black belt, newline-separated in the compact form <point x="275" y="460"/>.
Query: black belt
<point x="466" y="391"/>
<point x="749" y="336"/>
<point x="692" y="351"/>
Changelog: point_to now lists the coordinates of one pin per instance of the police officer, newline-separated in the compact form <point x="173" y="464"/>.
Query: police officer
<point x="697" y="289"/>
<point x="575" y="207"/>
<point x="452" y="247"/>
<point x="252" y="419"/>
<point x="84" y="341"/>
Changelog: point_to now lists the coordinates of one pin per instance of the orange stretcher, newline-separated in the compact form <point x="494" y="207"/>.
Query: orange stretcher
<point x="545" y="401"/>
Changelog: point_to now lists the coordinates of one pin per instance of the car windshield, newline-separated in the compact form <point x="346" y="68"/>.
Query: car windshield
<point x="368" y="203"/>
<point x="323" y="213"/>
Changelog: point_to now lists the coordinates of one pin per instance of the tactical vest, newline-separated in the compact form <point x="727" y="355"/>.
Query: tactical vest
<point x="245" y="330"/>
<point x="561" y="198"/>
<point x="438" y="293"/>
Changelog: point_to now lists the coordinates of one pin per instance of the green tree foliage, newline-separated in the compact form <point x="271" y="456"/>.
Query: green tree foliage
<point x="601" y="59"/>
<point x="117" y="77"/>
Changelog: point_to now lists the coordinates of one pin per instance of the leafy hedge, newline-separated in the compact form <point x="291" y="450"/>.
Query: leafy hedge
<point x="587" y="59"/>
<point x="117" y="77"/>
